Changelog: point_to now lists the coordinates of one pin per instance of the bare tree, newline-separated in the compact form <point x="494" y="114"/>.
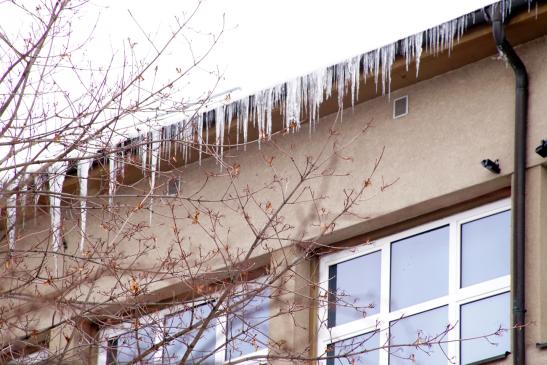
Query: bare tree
<point x="124" y="247"/>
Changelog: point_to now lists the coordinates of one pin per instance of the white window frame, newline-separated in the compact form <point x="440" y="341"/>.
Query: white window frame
<point x="455" y="298"/>
<point x="158" y="318"/>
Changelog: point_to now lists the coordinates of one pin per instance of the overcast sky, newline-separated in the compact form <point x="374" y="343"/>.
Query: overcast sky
<point x="267" y="42"/>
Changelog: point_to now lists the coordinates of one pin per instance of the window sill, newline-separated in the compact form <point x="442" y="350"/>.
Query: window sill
<point x="490" y="359"/>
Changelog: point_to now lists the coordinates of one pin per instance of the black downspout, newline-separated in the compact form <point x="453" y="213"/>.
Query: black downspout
<point x="518" y="186"/>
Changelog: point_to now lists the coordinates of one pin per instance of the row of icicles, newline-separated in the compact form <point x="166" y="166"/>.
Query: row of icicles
<point x="301" y="95"/>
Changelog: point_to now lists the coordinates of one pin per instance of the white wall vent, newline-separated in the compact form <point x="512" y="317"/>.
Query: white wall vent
<point x="400" y="107"/>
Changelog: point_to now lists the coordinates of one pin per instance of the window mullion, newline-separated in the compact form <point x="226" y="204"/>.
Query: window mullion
<point x="383" y="356"/>
<point x="158" y="337"/>
<point x="385" y="277"/>
<point x="221" y="336"/>
<point x="453" y="288"/>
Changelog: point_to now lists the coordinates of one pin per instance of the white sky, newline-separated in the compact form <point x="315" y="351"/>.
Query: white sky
<point x="268" y="42"/>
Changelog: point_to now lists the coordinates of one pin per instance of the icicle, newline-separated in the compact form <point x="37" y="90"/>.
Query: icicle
<point x="170" y="141"/>
<point x="340" y="83"/>
<point x="268" y="111"/>
<point x="229" y="114"/>
<point x="154" y="165"/>
<point x="260" y="105"/>
<point x="293" y="104"/>
<point x="188" y="130"/>
<point x="200" y="134"/>
<point x="328" y="83"/>
<point x="38" y="186"/>
<point x="243" y="119"/>
<point x="144" y="149"/>
<point x="23" y="198"/>
<point x="11" y="215"/>
<point x="56" y="180"/>
<point x="207" y="120"/>
<point x="318" y="83"/>
<point x="219" y="130"/>
<point x="83" y="173"/>
<point x="353" y="77"/>
<point x="163" y="149"/>
<point x="388" y="56"/>
<point x="180" y="141"/>
<point x="417" y="45"/>
<point x="121" y="164"/>
<point x="112" y="177"/>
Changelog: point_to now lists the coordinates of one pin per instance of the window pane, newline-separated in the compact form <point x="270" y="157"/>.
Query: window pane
<point x="131" y="344"/>
<point x="205" y="347"/>
<point x="248" y="326"/>
<point x="357" y="286"/>
<point x="485" y="248"/>
<point x="482" y="318"/>
<point x="419" y="268"/>
<point x="426" y="328"/>
<point x="352" y="350"/>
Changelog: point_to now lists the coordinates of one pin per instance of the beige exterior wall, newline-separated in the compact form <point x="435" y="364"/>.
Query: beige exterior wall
<point x="432" y="156"/>
<point x="536" y="245"/>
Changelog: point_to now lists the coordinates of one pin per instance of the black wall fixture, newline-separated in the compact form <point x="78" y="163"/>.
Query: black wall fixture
<point x="492" y="166"/>
<point x="542" y="148"/>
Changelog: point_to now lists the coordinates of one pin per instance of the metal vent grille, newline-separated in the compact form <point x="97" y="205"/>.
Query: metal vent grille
<point x="400" y="107"/>
<point x="173" y="186"/>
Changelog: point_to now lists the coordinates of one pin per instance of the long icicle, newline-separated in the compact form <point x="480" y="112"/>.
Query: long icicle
<point x="11" y="215"/>
<point x="56" y="180"/>
<point x="112" y="174"/>
<point x="83" y="173"/>
<point x="154" y="161"/>
<point x="38" y="186"/>
<point x="23" y="197"/>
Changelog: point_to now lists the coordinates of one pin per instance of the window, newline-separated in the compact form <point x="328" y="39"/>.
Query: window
<point x="205" y="347"/>
<point x="247" y="326"/>
<point x="434" y="284"/>
<point x="133" y="343"/>
<point x="355" y="350"/>
<point x="240" y="334"/>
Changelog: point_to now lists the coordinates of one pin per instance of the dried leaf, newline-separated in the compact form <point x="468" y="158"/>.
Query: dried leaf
<point x="269" y="160"/>
<point x="195" y="217"/>
<point x="200" y="288"/>
<point x="327" y="172"/>
<point x="235" y="169"/>
<point x="134" y="287"/>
